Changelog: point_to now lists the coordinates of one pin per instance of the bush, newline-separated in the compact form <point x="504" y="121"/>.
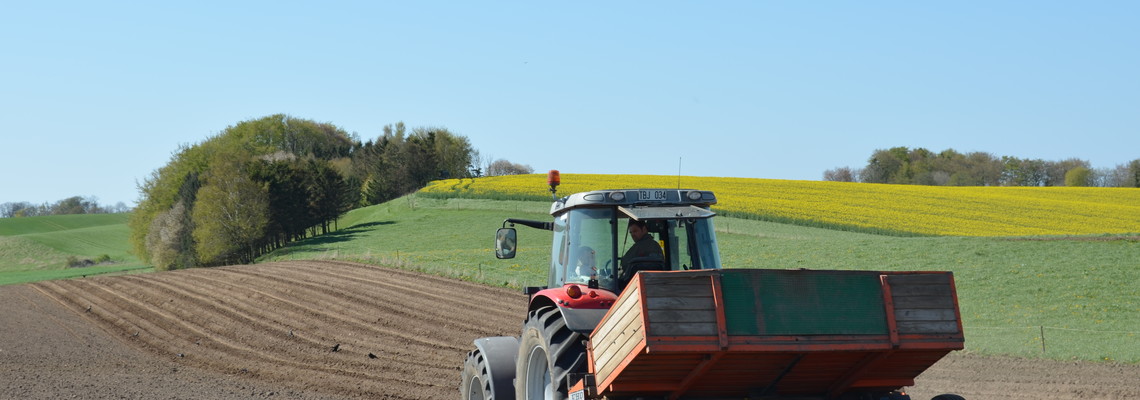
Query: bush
<point x="76" y="262"/>
<point x="1078" y="176"/>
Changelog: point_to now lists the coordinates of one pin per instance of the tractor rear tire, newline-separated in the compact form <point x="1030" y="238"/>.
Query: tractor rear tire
<point x="476" y="379"/>
<point x="548" y="351"/>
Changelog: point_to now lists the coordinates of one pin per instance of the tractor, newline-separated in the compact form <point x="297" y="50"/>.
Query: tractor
<point x="672" y="324"/>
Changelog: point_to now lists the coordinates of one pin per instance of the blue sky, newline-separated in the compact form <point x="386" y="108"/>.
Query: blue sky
<point x="94" y="97"/>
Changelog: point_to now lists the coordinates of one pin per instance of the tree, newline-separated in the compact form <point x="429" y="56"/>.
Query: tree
<point x="1078" y="176"/>
<point x="919" y="167"/>
<point x="166" y="241"/>
<point x="1056" y="172"/>
<point x="73" y="205"/>
<point x="901" y="165"/>
<point x="1101" y="177"/>
<point x="884" y="165"/>
<point x="329" y="194"/>
<point x="175" y="182"/>
<point x="476" y="166"/>
<point x="369" y="169"/>
<point x="487" y="161"/>
<point x="302" y="175"/>
<point x="385" y="166"/>
<point x="164" y="238"/>
<point x="288" y="197"/>
<point x="983" y="169"/>
<point x="420" y="163"/>
<point x="119" y="208"/>
<point x="452" y="154"/>
<point x="841" y="174"/>
<point x="397" y="164"/>
<point x="280" y="132"/>
<point x="230" y="216"/>
<point x="70" y="205"/>
<point x="17" y="209"/>
<point x="1133" y="173"/>
<point x="504" y="167"/>
<point x="1019" y="172"/>
<point x="270" y="153"/>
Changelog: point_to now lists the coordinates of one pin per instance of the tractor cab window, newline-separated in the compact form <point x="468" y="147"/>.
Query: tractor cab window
<point x="694" y="246"/>
<point x="560" y="251"/>
<point x="588" y="244"/>
<point x="588" y="247"/>
<point x="687" y="244"/>
<point x="685" y="234"/>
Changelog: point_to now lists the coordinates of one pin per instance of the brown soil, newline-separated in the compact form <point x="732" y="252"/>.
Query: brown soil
<point x="301" y="330"/>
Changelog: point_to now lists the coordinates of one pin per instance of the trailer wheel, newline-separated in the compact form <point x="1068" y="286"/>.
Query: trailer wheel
<point x="476" y="380"/>
<point x="548" y="351"/>
<point x="948" y="397"/>
<point x="488" y="373"/>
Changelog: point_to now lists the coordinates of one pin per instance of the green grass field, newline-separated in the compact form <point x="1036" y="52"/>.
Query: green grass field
<point x="56" y="223"/>
<point x="1079" y="291"/>
<point x="442" y="237"/>
<point x="37" y="248"/>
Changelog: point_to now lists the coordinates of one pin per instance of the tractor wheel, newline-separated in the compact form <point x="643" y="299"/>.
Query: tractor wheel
<point x="476" y="383"/>
<point x="548" y="351"/>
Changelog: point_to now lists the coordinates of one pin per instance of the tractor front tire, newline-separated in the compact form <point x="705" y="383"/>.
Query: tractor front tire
<point x="548" y="351"/>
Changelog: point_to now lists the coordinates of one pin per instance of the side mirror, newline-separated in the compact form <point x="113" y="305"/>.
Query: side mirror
<point x="505" y="243"/>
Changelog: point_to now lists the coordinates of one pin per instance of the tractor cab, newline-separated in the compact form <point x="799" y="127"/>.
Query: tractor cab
<point x="592" y="240"/>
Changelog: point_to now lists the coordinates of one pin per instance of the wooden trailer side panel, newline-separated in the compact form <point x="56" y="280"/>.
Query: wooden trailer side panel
<point x="925" y="304"/>
<point x="619" y="333"/>
<point x="654" y="305"/>
<point x="680" y="305"/>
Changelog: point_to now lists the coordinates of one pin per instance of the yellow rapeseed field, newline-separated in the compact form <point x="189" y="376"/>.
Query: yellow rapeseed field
<point x="925" y="210"/>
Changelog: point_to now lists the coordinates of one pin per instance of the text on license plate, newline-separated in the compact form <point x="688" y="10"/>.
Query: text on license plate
<point x="651" y="195"/>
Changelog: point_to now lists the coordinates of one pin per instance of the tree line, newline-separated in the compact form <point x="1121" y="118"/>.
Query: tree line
<point x="919" y="166"/>
<point x="70" y="205"/>
<point x="263" y="183"/>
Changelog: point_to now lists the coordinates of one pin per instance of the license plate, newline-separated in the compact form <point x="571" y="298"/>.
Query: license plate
<point x="651" y="195"/>
<point x="578" y="395"/>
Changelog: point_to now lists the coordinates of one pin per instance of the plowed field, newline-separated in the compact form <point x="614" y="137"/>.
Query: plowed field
<point x="339" y="330"/>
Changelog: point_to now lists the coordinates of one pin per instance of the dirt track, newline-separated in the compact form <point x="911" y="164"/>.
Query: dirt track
<point x="270" y="330"/>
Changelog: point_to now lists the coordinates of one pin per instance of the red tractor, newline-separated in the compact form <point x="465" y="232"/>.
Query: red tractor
<point x="668" y="323"/>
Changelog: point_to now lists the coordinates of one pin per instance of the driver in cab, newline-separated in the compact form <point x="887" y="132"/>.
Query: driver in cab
<point x="644" y="248"/>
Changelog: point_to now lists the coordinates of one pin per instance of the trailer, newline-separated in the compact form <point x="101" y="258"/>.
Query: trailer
<point x="757" y="333"/>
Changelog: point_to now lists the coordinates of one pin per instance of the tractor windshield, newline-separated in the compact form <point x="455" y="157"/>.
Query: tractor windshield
<point x="590" y="241"/>
<point x="586" y="251"/>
